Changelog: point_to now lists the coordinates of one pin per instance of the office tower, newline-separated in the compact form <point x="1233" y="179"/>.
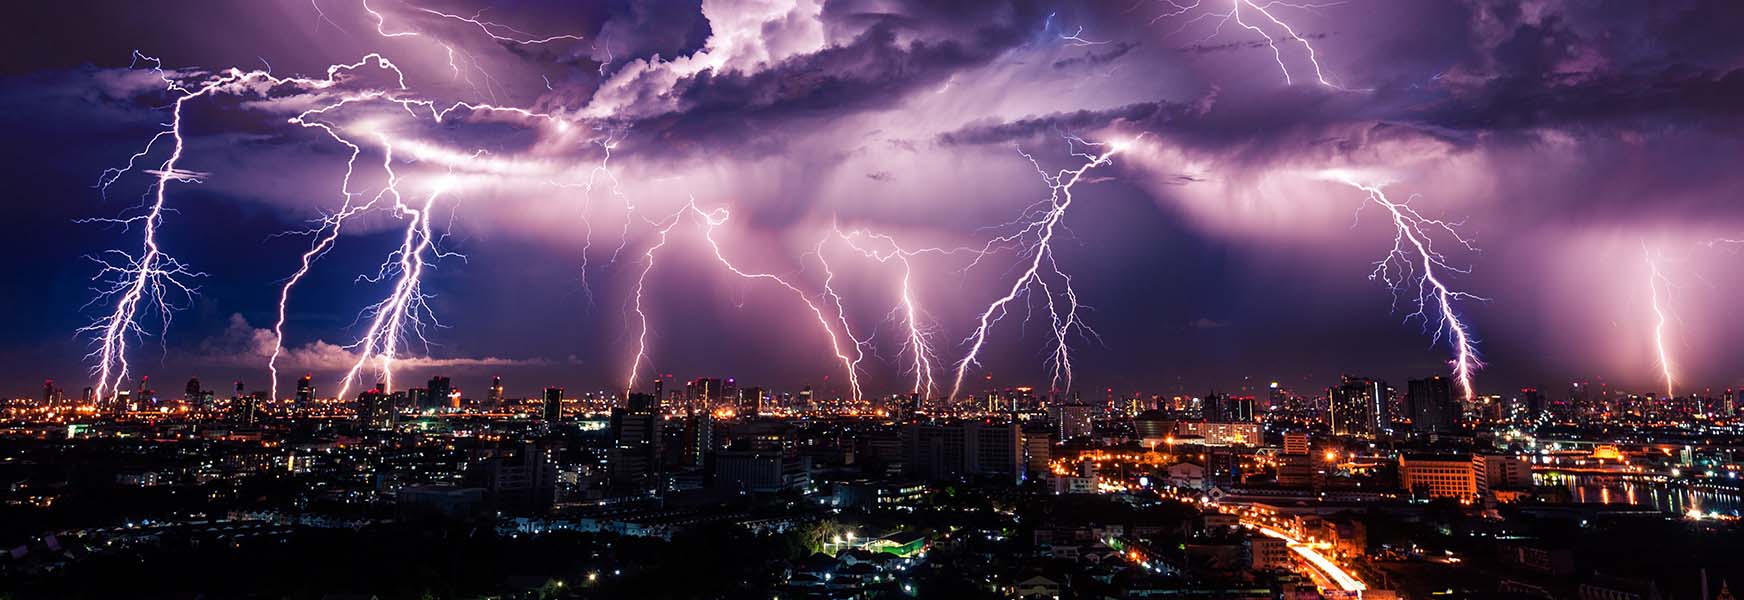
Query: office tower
<point x="146" y="396"/>
<point x="634" y="458"/>
<point x="440" y="389"/>
<point x="553" y="404"/>
<point x="494" y="400"/>
<point x="191" y="393"/>
<point x="1277" y="397"/>
<point x="963" y="449"/>
<point x="1458" y="476"/>
<point x="374" y="409"/>
<point x="1296" y="444"/>
<point x="246" y="408"/>
<point x="1075" y="421"/>
<point x="1532" y="402"/>
<point x="1211" y="407"/>
<point x="660" y="391"/>
<point x="52" y="395"/>
<point x="703" y="393"/>
<point x="698" y="438"/>
<point x="1430" y="404"/>
<point x="414" y="398"/>
<point x="1238" y="409"/>
<point x="749" y="401"/>
<point x="306" y="392"/>
<point x="729" y="394"/>
<point x="1357" y="407"/>
<point x="521" y="480"/>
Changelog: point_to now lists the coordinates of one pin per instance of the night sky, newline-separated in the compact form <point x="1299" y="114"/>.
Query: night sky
<point x="1580" y="147"/>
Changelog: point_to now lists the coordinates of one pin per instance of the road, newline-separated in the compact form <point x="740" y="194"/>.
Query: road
<point x="1327" y="570"/>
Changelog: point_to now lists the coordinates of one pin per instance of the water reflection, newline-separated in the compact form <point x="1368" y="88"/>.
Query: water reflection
<point x="1672" y="498"/>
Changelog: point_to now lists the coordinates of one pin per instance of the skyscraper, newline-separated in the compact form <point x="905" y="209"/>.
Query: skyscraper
<point x="634" y="457"/>
<point x="440" y="390"/>
<point x="698" y="438"/>
<point x="1075" y="420"/>
<point x="1357" y="407"/>
<point x="374" y="410"/>
<point x="306" y="392"/>
<point x="1430" y="404"/>
<point x="704" y="393"/>
<point x="52" y="395"/>
<point x="1532" y="402"/>
<point x="553" y="404"/>
<point x="750" y="401"/>
<point x="494" y="401"/>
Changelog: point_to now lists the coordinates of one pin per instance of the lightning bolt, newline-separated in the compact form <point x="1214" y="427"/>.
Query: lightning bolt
<point x="1413" y="262"/>
<point x="917" y="341"/>
<point x="402" y="314"/>
<point x="150" y="278"/>
<point x="153" y="278"/>
<point x="1655" y="279"/>
<point x="1240" y="12"/>
<point x="490" y="29"/>
<point x="849" y="353"/>
<point x="1035" y="237"/>
<point x="641" y="286"/>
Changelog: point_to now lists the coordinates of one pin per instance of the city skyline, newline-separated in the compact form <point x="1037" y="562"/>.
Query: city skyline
<point x="1227" y="208"/>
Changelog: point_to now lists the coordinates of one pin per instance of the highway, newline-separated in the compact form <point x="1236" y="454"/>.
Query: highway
<point x="1327" y="570"/>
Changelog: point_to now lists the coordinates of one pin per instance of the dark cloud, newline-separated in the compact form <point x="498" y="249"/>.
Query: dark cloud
<point x="1098" y="55"/>
<point x="1556" y="128"/>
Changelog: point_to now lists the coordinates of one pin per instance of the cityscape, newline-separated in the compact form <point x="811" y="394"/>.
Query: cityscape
<point x="855" y="299"/>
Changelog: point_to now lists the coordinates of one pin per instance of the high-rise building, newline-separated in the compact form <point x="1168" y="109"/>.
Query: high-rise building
<point x="698" y="438"/>
<point x="1239" y="409"/>
<point x="440" y="392"/>
<point x="519" y="480"/>
<point x="703" y="393"/>
<point x="246" y="408"/>
<point x="1296" y="443"/>
<point x="415" y="398"/>
<point x="963" y="449"/>
<point x="633" y="461"/>
<point x="306" y="392"/>
<point x="1357" y="407"/>
<point x="494" y="400"/>
<point x="553" y="404"/>
<point x="751" y="401"/>
<point x="1459" y="476"/>
<point x="374" y="409"/>
<point x="1038" y="452"/>
<point x="147" y="398"/>
<point x="1430" y="404"/>
<point x="1532" y="402"/>
<point x="191" y="393"/>
<point x="1075" y="420"/>
<point x="761" y="471"/>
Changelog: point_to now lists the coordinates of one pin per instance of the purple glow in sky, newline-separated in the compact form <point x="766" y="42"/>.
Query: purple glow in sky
<point x="896" y="195"/>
